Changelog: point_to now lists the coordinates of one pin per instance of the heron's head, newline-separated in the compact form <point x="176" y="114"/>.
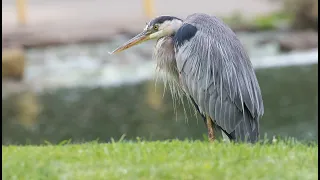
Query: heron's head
<point x="157" y="28"/>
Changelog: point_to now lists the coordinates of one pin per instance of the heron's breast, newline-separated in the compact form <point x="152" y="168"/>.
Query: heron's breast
<point x="165" y="56"/>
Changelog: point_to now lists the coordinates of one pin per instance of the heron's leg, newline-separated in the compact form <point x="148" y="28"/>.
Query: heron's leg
<point x="210" y="129"/>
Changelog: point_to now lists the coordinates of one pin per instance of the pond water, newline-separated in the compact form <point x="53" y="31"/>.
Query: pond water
<point x="79" y="92"/>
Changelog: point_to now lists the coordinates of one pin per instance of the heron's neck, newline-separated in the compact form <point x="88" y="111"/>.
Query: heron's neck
<point x="170" y="27"/>
<point x="175" y="25"/>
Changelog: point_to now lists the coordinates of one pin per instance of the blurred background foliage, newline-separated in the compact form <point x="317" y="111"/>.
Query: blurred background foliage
<point x="56" y="88"/>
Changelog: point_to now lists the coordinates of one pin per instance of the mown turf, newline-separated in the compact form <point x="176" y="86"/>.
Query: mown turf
<point x="161" y="160"/>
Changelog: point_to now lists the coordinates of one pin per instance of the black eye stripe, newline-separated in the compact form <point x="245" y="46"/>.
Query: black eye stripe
<point x="162" y="19"/>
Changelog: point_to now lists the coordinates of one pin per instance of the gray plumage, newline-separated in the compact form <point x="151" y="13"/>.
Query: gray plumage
<point x="207" y="62"/>
<point x="203" y="59"/>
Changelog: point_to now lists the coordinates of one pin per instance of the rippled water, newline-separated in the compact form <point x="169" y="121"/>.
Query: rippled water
<point x="88" y="65"/>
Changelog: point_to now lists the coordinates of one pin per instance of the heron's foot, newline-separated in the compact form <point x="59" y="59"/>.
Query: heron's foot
<point x="210" y="129"/>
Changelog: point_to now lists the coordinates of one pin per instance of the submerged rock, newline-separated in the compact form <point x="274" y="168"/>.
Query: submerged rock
<point x="293" y="41"/>
<point x="298" y="41"/>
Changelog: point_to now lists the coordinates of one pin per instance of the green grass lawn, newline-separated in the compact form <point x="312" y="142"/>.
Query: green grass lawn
<point x="161" y="160"/>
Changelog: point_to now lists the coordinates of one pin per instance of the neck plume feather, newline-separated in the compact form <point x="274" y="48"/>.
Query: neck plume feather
<point x="167" y="68"/>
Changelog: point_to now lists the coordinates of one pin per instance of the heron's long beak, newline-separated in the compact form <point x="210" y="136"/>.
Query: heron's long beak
<point x="143" y="36"/>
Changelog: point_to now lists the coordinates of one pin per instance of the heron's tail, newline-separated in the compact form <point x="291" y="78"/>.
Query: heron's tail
<point x="247" y="130"/>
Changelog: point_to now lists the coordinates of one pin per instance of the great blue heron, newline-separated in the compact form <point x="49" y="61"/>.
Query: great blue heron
<point x="203" y="58"/>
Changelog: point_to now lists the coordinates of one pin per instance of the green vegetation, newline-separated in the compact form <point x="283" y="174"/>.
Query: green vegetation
<point x="161" y="160"/>
<point x="294" y="14"/>
<point x="270" y="21"/>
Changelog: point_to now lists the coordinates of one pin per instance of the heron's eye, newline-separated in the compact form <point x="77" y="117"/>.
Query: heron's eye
<point x="156" y="27"/>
